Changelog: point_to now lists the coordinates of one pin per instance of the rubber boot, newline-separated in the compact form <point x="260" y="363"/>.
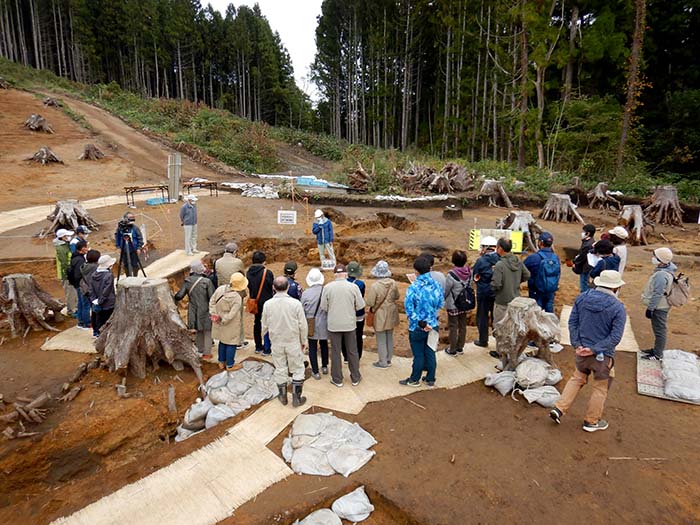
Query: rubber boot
<point x="282" y="396"/>
<point x="297" y="398"/>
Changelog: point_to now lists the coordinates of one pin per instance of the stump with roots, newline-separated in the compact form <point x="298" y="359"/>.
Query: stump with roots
<point x="91" y="152"/>
<point x="452" y="213"/>
<point x="524" y="322"/>
<point x="559" y="208"/>
<point x="440" y="183"/>
<point x="359" y="179"/>
<point x="27" y="306"/>
<point x="416" y="178"/>
<point x="494" y="190"/>
<point x="36" y="122"/>
<point x="4" y="84"/>
<point x="599" y="197"/>
<point x="459" y="178"/>
<point x="69" y="214"/>
<point x="44" y="156"/>
<point x="522" y="221"/>
<point x="632" y="218"/>
<point x="48" y="101"/>
<point x="146" y="327"/>
<point x="664" y="207"/>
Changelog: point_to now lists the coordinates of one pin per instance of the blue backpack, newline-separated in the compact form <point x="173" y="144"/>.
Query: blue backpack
<point x="547" y="278"/>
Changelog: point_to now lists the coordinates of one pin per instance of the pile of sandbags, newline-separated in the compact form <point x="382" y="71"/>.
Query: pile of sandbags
<point x="354" y="507"/>
<point x="681" y="372"/>
<point x="228" y="394"/>
<point x="533" y="378"/>
<point x="323" y="445"/>
<point x="266" y="191"/>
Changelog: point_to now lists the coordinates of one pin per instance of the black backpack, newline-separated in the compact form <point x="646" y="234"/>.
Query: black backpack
<point x="464" y="300"/>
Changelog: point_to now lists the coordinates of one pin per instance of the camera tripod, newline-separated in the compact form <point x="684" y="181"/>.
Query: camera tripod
<point x="127" y="250"/>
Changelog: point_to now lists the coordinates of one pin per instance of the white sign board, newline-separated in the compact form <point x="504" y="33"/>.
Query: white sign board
<point x="286" y="217"/>
<point x="328" y="265"/>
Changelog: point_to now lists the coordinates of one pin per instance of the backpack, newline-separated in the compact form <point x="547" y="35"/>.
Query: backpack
<point x="464" y="300"/>
<point x="680" y="291"/>
<point x="547" y="278"/>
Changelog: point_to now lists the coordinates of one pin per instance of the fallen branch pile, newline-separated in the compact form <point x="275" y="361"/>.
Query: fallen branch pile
<point x="91" y="152"/>
<point x="69" y="214"/>
<point x="36" y="122"/>
<point x="44" y="156"/>
<point x="450" y="179"/>
<point x="25" y="410"/>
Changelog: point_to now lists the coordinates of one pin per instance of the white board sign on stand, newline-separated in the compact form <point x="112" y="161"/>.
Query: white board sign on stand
<point x="288" y="217"/>
<point x="328" y="265"/>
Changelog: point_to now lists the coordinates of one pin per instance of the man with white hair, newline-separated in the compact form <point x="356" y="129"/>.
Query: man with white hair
<point x="188" y="219"/>
<point x="323" y="230"/>
<point x="63" y="256"/>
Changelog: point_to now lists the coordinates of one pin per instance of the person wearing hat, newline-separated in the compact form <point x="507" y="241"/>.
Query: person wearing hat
<point x="482" y="272"/>
<point x="260" y="280"/>
<point x="618" y="236"/>
<point x="381" y="300"/>
<point x="654" y="298"/>
<point x="63" y="255"/>
<point x="101" y="292"/>
<point x="129" y="235"/>
<point x="199" y="290"/>
<point x="341" y="299"/>
<point x="323" y="230"/>
<point x="608" y="260"/>
<point x="226" y="313"/>
<point x="229" y="263"/>
<point x="596" y="325"/>
<point x="318" y="336"/>
<point x="75" y="276"/>
<point x="295" y="290"/>
<point x="354" y="273"/>
<point x="581" y="266"/>
<point x="188" y="220"/>
<point x="545" y="270"/>
<point x="81" y="233"/>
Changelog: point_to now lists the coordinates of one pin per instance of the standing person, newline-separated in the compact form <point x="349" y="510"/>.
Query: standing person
<point x="341" y="299"/>
<point x="198" y="288"/>
<point x="596" y="326"/>
<point x="482" y="273"/>
<point x="545" y="269"/>
<point x="295" y="290"/>
<point x="229" y="263"/>
<point x="608" y="260"/>
<point x="86" y="271"/>
<point x="323" y="230"/>
<point x="438" y="276"/>
<point x="424" y="298"/>
<point x="354" y="273"/>
<point x="75" y="277"/>
<point x="318" y="337"/>
<point x="381" y="301"/>
<point x="102" y="296"/>
<point x="61" y="244"/>
<point x="81" y="233"/>
<point x="284" y="319"/>
<point x="618" y="236"/>
<point x="260" y="288"/>
<point x="458" y="279"/>
<point x="188" y="220"/>
<point x="226" y="312"/>
<point x="581" y="266"/>
<point x="128" y="238"/>
<point x="654" y="298"/>
<point x="508" y="273"/>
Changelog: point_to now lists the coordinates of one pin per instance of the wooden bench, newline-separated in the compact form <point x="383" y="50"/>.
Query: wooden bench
<point x="132" y="190"/>
<point x="211" y="185"/>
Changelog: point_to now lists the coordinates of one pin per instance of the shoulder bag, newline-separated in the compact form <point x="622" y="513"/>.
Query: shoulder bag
<point x="312" y="321"/>
<point x="251" y="305"/>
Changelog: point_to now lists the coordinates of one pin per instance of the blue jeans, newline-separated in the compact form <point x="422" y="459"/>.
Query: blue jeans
<point x="423" y="355"/>
<point x="227" y="354"/>
<point x="545" y="301"/>
<point x="583" y="282"/>
<point x="83" y="309"/>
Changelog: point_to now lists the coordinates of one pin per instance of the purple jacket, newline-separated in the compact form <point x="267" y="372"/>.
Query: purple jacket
<point x="597" y="322"/>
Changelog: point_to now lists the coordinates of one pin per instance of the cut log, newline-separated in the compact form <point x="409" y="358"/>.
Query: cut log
<point x="79" y="373"/>
<point x="69" y="214"/>
<point x="52" y="102"/>
<point x="664" y="207"/>
<point x="146" y="326"/>
<point x="452" y="213"/>
<point x="26" y="305"/>
<point x="91" y="152"/>
<point x="522" y="221"/>
<point x="70" y="396"/>
<point x="172" y="406"/>
<point x="524" y="322"/>
<point x="36" y="122"/>
<point x="44" y="156"/>
<point x="359" y="179"/>
<point x="632" y="218"/>
<point x="559" y="208"/>
<point x="496" y="193"/>
<point x="599" y="197"/>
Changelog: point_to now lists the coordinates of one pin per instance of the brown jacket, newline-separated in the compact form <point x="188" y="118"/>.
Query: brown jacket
<point x="384" y="293"/>
<point x="227" y="266"/>
<point x="227" y="304"/>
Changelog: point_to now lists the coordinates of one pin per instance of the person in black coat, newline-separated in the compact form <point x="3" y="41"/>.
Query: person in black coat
<point x="581" y="266"/>
<point x="102" y="296"/>
<point x="257" y="286"/>
<point x="74" y="277"/>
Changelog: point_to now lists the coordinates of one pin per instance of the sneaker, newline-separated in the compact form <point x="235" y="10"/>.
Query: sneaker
<point x="355" y="383"/>
<point x="339" y="385"/>
<point x="647" y="351"/>
<point x="450" y="352"/>
<point x="324" y="370"/>
<point x="267" y="352"/>
<point x="494" y="354"/>
<point x="594" y="427"/>
<point x="408" y="382"/>
<point x="379" y="365"/>
<point x="482" y="345"/>
<point x="556" y="415"/>
<point x="84" y="327"/>
<point x="244" y="344"/>
<point x="651" y="357"/>
<point x="388" y="363"/>
<point x="429" y="383"/>
<point x="258" y="350"/>
<point x="460" y="350"/>
<point x="316" y="375"/>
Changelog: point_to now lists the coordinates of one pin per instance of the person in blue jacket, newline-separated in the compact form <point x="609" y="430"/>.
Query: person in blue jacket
<point x="545" y="270"/>
<point x="482" y="271"/>
<point x="128" y="232"/>
<point x="323" y="230"/>
<point x="608" y="260"/>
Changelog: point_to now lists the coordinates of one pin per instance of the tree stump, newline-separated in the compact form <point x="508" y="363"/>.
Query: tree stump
<point x="27" y="306"/>
<point x="416" y="178"/>
<point x="4" y="84"/>
<point x="559" y="208"/>
<point x="458" y="177"/>
<point x="36" y="122"/>
<point x="524" y="322"/>
<point x="664" y="207"/>
<point x="632" y="218"/>
<point x="440" y="183"/>
<point x="69" y="214"/>
<point x="452" y="213"/>
<point x="146" y="326"/>
<point x="522" y="221"/>
<point x="91" y="152"/>
<point x="599" y="197"/>
<point x="48" y="101"/>
<point x="44" y="156"/>
<point x="359" y="179"/>
<point x="496" y="193"/>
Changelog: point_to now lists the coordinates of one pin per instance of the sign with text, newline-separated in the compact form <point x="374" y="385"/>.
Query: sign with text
<point x="475" y="237"/>
<point x="286" y="217"/>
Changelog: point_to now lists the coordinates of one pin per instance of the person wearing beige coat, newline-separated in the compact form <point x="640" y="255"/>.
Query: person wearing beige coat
<point x="226" y="312"/>
<point x="381" y="300"/>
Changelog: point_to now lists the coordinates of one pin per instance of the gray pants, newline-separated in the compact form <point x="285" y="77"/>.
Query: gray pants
<point x="190" y="239"/>
<point x="658" y="326"/>
<point x="458" y="331"/>
<point x="326" y="248"/>
<point x="288" y="359"/>
<point x="71" y="297"/>
<point x="385" y="346"/>
<point x="203" y="342"/>
<point x="350" y="341"/>
<point x="499" y="312"/>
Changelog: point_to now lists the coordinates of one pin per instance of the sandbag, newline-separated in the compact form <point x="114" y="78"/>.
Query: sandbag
<point x="679" y="364"/>
<point x="184" y="433"/>
<point x="502" y="381"/>
<point x="239" y="382"/>
<point x="359" y="437"/>
<point x="553" y="376"/>
<point x="680" y="354"/>
<point x="303" y="441"/>
<point x="222" y="395"/>
<point x="308" y="425"/>
<point x="238" y="405"/>
<point x="679" y="390"/>
<point x="321" y="517"/>
<point x="218" y="414"/>
<point x="287" y="450"/>
<point x="346" y="460"/>
<point x="198" y="410"/>
<point x="531" y="373"/>
<point x="689" y="379"/>
<point x="216" y="381"/>
<point x="354" y="506"/>
<point x="251" y="365"/>
<point x="546" y="396"/>
<point x="307" y="460"/>
<point x="257" y="394"/>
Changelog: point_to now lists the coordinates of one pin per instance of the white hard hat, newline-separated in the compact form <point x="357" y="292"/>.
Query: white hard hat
<point x="318" y="213"/>
<point x="63" y="233"/>
<point x="488" y="241"/>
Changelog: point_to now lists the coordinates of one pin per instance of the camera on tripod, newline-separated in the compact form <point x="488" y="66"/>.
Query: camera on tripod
<point x="124" y="226"/>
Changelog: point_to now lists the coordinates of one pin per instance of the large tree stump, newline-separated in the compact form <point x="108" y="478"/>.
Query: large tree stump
<point x="44" y="156"/>
<point x="496" y="193"/>
<point x="4" y="84"/>
<point x="440" y="183"/>
<point x="559" y="208"/>
<point x="452" y="213"/>
<point x="146" y="326"/>
<point x="52" y="102"/>
<point x="36" y="122"/>
<point x="599" y="197"/>
<point x="359" y="179"/>
<point x="632" y="218"/>
<point x="459" y="178"/>
<point x="524" y="322"/>
<point x="522" y="221"/>
<point x="664" y="207"/>
<point x="27" y="306"/>
<point x="69" y="214"/>
<point x="91" y="152"/>
<point x="417" y="178"/>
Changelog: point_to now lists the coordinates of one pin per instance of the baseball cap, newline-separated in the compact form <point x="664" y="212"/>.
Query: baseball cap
<point x="82" y="229"/>
<point x="546" y="237"/>
<point x="62" y="232"/>
<point x="290" y="268"/>
<point x="339" y="268"/>
<point x="191" y="198"/>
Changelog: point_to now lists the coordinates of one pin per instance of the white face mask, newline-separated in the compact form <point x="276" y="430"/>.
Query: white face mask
<point x="655" y="261"/>
<point x="584" y="235"/>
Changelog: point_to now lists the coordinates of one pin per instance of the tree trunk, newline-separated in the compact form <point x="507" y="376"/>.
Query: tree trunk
<point x="664" y="207"/>
<point x="27" y="306"/>
<point x="559" y="208"/>
<point x="496" y="193"/>
<point x="69" y="214"/>
<point x="179" y="72"/>
<point x="632" y="218"/>
<point x="524" y="65"/>
<point x="569" y="72"/>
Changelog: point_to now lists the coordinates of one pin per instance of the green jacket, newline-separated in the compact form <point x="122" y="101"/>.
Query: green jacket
<point x="62" y="260"/>
<point x="508" y="273"/>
